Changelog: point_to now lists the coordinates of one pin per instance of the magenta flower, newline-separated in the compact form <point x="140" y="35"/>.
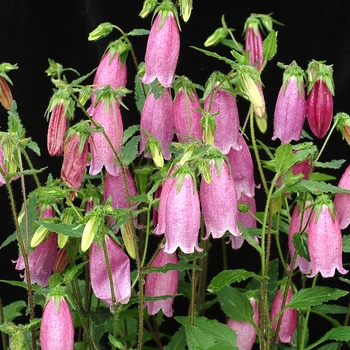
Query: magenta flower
<point x="179" y="214"/>
<point x="57" y="330"/>
<point x="342" y="200"/>
<point x="158" y="284"/>
<point x="110" y="119"/>
<point x="186" y="116"/>
<point x="325" y="240"/>
<point x="219" y="202"/>
<point x="245" y="331"/>
<point x="299" y="223"/>
<point x="2" y="165"/>
<point x="162" y="51"/>
<point x="157" y="118"/>
<point x="227" y="120"/>
<point x="75" y="159"/>
<point x="120" y="267"/>
<point x="56" y="130"/>
<point x="254" y="43"/>
<point x="289" y="318"/>
<point x="242" y="168"/>
<point x="290" y="109"/>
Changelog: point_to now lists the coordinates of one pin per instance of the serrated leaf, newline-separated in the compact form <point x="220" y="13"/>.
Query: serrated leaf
<point x="65" y="229"/>
<point x="215" y="55"/>
<point x="341" y="333"/>
<point x="330" y="309"/>
<point x="226" y="277"/>
<point x="130" y="150"/>
<point x="270" y="45"/>
<point x="178" y="340"/>
<point x="20" y="284"/>
<point x="13" y="310"/>
<point x="137" y="32"/>
<point x="197" y="339"/>
<point x="130" y="131"/>
<point x="235" y="304"/>
<point x="181" y="266"/>
<point x="346" y="244"/>
<point x="32" y="145"/>
<point x="329" y="346"/>
<point x="307" y="297"/>
<point x="333" y="164"/>
<point x="284" y="158"/>
<point x="316" y="176"/>
<point x="139" y="92"/>
<point x="315" y="187"/>
<point x="300" y="242"/>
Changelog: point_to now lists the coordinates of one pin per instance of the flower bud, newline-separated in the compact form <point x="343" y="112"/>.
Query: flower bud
<point x="5" y="94"/>
<point x="148" y="7"/>
<point x="342" y="121"/>
<point x="56" y="130"/>
<point x="219" y="35"/>
<point x="254" y="42"/>
<point x="101" y="31"/>
<point x="90" y="230"/>
<point x="342" y="201"/>
<point x="186" y="9"/>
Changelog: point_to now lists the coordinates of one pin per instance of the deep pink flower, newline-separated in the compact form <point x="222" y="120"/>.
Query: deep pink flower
<point x="219" y="202"/>
<point x="342" y="201"/>
<point x="299" y="223"/>
<point x="56" y="130"/>
<point x="186" y="116"/>
<point x="290" y="109"/>
<point x="120" y="267"/>
<point x="2" y="165"/>
<point x="325" y="241"/>
<point x="179" y="215"/>
<point x="289" y="318"/>
<point x="242" y="168"/>
<point x="74" y="161"/>
<point x="158" y="284"/>
<point x="245" y="331"/>
<point x="157" y="118"/>
<point x="162" y="51"/>
<point x="101" y="152"/>
<point x="57" y="330"/>
<point x="254" y="44"/>
<point x="227" y="121"/>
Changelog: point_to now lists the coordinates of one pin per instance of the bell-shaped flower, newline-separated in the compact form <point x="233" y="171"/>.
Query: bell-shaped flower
<point x="299" y="224"/>
<point x="162" y="284"/>
<point x="157" y="118"/>
<point x="289" y="317"/>
<point x="342" y="200"/>
<point x="242" y="168"/>
<point x="187" y="116"/>
<point x="245" y="331"/>
<point x="163" y="47"/>
<point x="57" y="329"/>
<point x="107" y="114"/>
<point x="320" y="98"/>
<point x="254" y="42"/>
<point x="120" y="269"/>
<point x="219" y="201"/>
<point x="325" y="240"/>
<point x="223" y="106"/>
<point x="290" y="109"/>
<point x="179" y="213"/>
<point x="2" y="165"/>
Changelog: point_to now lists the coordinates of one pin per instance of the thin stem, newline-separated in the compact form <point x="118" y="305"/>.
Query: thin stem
<point x="193" y="295"/>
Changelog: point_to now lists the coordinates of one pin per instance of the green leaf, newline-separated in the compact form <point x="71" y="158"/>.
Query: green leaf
<point x="70" y="230"/>
<point x="235" y="304"/>
<point x="130" y="131"/>
<point x="315" y="187"/>
<point x="13" y="310"/>
<point x="181" y="266"/>
<point x="215" y="55"/>
<point x="197" y="339"/>
<point x="270" y="45"/>
<point x="178" y="340"/>
<point x="226" y="277"/>
<point x="304" y="298"/>
<point x="140" y="31"/>
<point x="32" y="145"/>
<point x="284" y="158"/>
<point x="316" y="176"/>
<point x="300" y="245"/>
<point x="330" y="309"/>
<point x="333" y="164"/>
<point x="8" y="240"/>
<point x="346" y="244"/>
<point x="329" y="346"/>
<point x="139" y="92"/>
<point x="130" y="150"/>
<point x="341" y="333"/>
<point x="21" y="284"/>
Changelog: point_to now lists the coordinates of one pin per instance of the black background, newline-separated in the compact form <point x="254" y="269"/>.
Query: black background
<point x="33" y="31"/>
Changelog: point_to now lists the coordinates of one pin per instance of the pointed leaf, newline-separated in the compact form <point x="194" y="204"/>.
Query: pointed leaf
<point x="284" y="158"/>
<point x="136" y="32"/>
<point x="130" y="150"/>
<point x="341" y="333"/>
<point x="65" y="229"/>
<point x="300" y="245"/>
<point x="178" y="340"/>
<point x="215" y="55"/>
<point x="270" y="45"/>
<point x="197" y="339"/>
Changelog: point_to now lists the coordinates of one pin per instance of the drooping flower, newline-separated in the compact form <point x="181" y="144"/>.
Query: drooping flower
<point x="187" y="117"/>
<point x="320" y="98"/>
<point x="242" y="168"/>
<point x="159" y="284"/>
<point x="254" y="42"/>
<point x="219" y="201"/>
<point x="342" y="200"/>
<point x="107" y="114"/>
<point x="157" y="118"/>
<point x="245" y="331"/>
<point x="56" y="130"/>
<point x="289" y="318"/>
<point x="6" y="98"/>
<point x="163" y="47"/>
<point x="179" y="214"/>
<point x="57" y="330"/>
<point x="290" y="109"/>
<point x="120" y="268"/>
<point x="298" y="224"/>
<point x="325" y="240"/>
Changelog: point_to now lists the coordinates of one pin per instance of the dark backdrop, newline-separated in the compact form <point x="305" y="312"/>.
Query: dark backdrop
<point x="33" y="31"/>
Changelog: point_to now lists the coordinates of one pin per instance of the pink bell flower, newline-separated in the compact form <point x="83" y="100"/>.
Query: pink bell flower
<point x="158" y="284"/>
<point x="242" y="168"/>
<point x="290" y="109"/>
<point x="289" y="318"/>
<point x="2" y="165"/>
<point x="162" y="50"/>
<point x="254" y="44"/>
<point x="120" y="267"/>
<point x="179" y="214"/>
<point x="245" y="331"/>
<point x="187" y="117"/>
<point x="298" y="223"/>
<point x="342" y="201"/>
<point x="219" y="202"/>
<point x="57" y="329"/>
<point x="325" y="240"/>
<point x="157" y="118"/>
<point x="227" y="120"/>
<point x="56" y="130"/>
<point x="101" y="152"/>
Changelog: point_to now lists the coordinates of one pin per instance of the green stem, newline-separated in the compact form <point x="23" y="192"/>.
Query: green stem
<point x="193" y="295"/>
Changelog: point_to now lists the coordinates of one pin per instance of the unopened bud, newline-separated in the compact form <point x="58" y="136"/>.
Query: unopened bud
<point x="154" y="148"/>
<point x="186" y="9"/>
<point x="89" y="232"/>
<point x="218" y="36"/>
<point x="148" y="7"/>
<point x="128" y="238"/>
<point x="101" y="31"/>
<point x="39" y="236"/>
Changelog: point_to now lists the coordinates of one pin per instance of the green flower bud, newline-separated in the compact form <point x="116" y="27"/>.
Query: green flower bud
<point x="101" y="31"/>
